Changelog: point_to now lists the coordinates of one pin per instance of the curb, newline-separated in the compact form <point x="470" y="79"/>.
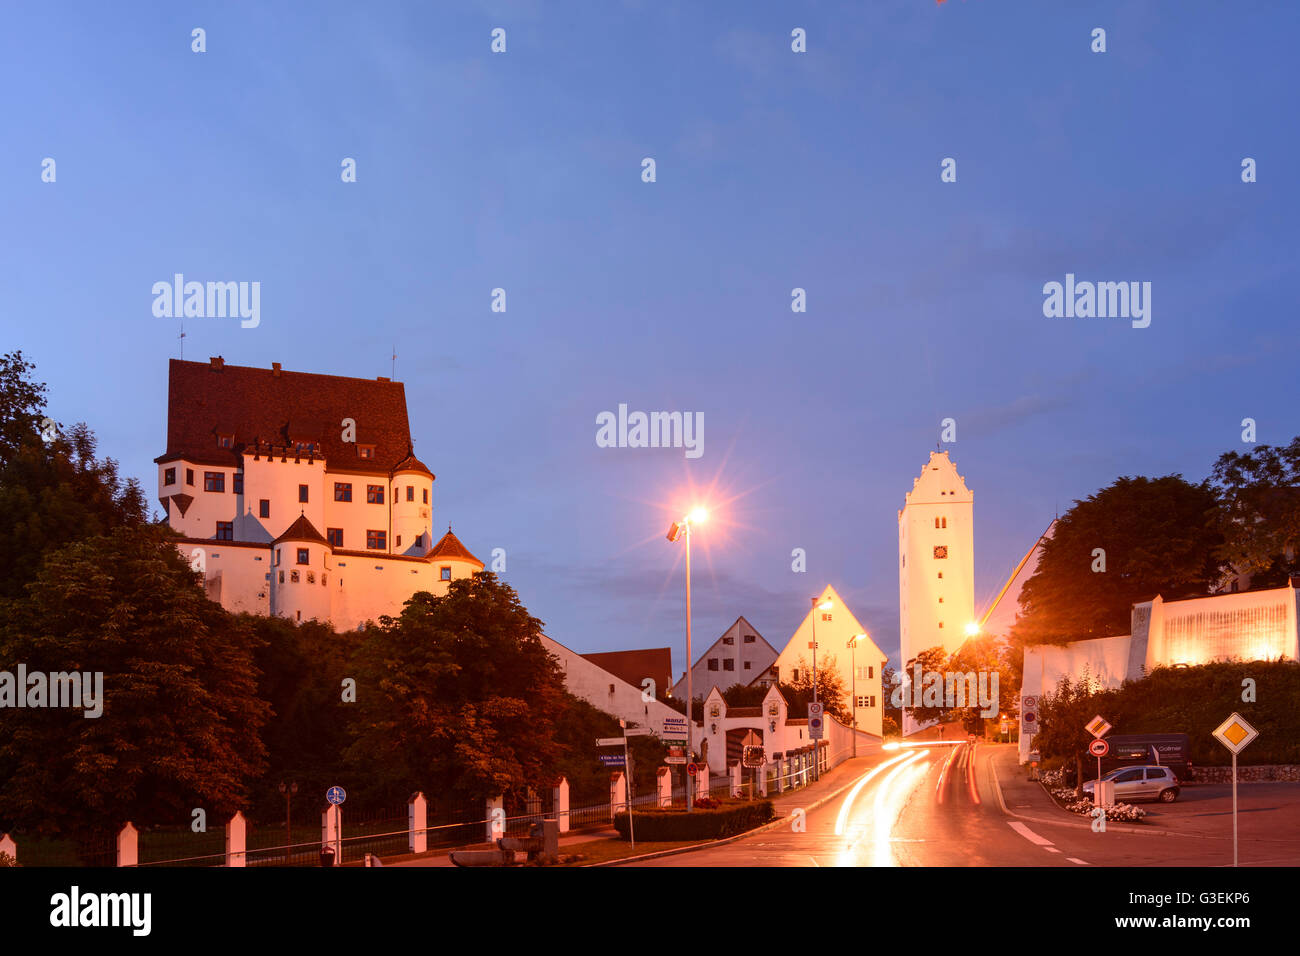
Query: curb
<point x="779" y="821"/>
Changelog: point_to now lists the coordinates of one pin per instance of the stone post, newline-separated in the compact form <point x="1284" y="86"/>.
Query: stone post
<point x="562" y="804"/>
<point x="664" y="783"/>
<point x="417" y="822"/>
<point x="703" y="778"/>
<point x="496" y="818"/>
<point x="617" y="793"/>
<point x="331" y="832"/>
<point x="128" y="846"/>
<point x="236" y="840"/>
<point x="737" y="772"/>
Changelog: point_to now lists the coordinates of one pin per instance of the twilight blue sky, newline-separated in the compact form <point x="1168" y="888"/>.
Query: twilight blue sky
<point x="775" y="170"/>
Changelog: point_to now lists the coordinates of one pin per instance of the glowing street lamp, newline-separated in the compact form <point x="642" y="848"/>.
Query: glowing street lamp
<point x="972" y="628"/>
<point x="679" y="529"/>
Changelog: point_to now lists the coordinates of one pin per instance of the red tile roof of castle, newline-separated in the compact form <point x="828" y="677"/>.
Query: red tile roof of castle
<point x="261" y="408"/>
<point x="450" y="547"/>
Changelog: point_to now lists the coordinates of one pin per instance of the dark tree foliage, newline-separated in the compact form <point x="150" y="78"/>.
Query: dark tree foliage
<point x="457" y="692"/>
<point x="1259" y="517"/>
<point x="181" y="718"/>
<point x="1158" y="535"/>
<point x="55" y="492"/>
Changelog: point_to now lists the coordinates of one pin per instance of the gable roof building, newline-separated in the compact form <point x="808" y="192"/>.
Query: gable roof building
<point x="737" y="657"/>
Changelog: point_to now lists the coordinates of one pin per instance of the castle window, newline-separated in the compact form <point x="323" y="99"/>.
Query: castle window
<point x="376" y="540"/>
<point x="399" y="541"/>
<point x="945" y="522"/>
<point x="335" y="536"/>
<point x="225" y="531"/>
<point x="304" y="556"/>
<point x="223" y="441"/>
<point x="941" y="551"/>
<point x="293" y="577"/>
<point x="302" y="493"/>
<point x="410" y="492"/>
<point x="425" y="492"/>
<point x="264" y="508"/>
<point x="281" y="577"/>
<point x="189" y="476"/>
<point x="214" y="481"/>
<point x="237" y="482"/>
<point x="374" y="494"/>
<point x="277" y="557"/>
<point x="941" y="574"/>
<point x="342" y="491"/>
<point x="365" y="451"/>
<point x="445" y="572"/>
<point x="169" y="476"/>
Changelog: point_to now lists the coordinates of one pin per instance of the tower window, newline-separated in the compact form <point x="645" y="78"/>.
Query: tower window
<point x="940" y="575"/>
<point x="264" y="508"/>
<point x="169" y="476"/>
<point x="304" y="556"/>
<point x="410" y="492"/>
<point x="214" y="481"/>
<point x="941" y="625"/>
<point x="342" y="491"/>
<point x="445" y="572"/>
<point x="375" y="494"/>
<point x="334" y="536"/>
<point x="302" y="493"/>
<point x="425" y="492"/>
<point x="189" y="476"/>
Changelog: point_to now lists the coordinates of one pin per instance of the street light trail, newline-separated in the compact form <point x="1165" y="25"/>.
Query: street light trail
<point x="889" y="803"/>
<point x="847" y="805"/>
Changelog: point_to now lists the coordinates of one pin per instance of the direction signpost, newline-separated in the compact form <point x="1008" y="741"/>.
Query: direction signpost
<point x="625" y="761"/>
<point x="335" y="797"/>
<point x="1235" y="734"/>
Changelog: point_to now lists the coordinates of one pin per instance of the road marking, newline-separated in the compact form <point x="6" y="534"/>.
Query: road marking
<point x="1029" y="834"/>
<point x="1075" y="859"/>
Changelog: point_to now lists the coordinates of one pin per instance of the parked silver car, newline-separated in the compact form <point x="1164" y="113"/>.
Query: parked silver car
<point x="1147" y="782"/>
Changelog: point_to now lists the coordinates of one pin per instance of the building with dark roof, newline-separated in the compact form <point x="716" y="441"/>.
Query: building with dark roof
<point x="300" y="494"/>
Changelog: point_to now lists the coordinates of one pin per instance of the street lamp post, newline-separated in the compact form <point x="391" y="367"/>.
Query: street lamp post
<point x="824" y="606"/>
<point x="677" y="529"/>
<point x="853" y="665"/>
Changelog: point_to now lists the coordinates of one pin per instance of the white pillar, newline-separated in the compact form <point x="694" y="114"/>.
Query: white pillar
<point x="562" y="804"/>
<point x="128" y="846"/>
<point x="762" y="779"/>
<point x="236" y="840"/>
<point x="736" y="771"/>
<point x="331" y="832"/>
<point x="664" y="783"/>
<point x="617" y="793"/>
<point x="703" y="780"/>
<point x="8" y="847"/>
<point x="417" y="821"/>
<point x="496" y="818"/>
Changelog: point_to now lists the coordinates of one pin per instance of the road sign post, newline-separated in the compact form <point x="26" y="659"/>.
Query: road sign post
<point x="1235" y="734"/>
<point x="335" y="797"/>
<point x="1098" y="748"/>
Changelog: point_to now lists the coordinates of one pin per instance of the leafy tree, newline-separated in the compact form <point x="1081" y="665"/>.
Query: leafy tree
<point x="1158" y="536"/>
<point x="893" y="714"/>
<point x="911" y="694"/>
<point x="181" y="718"/>
<point x="457" y="696"/>
<point x="984" y="655"/>
<point x="50" y="493"/>
<point x="1259" y="517"/>
<point x="831" y="692"/>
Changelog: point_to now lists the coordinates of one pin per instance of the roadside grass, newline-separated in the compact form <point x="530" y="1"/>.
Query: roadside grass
<point x="603" y="851"/>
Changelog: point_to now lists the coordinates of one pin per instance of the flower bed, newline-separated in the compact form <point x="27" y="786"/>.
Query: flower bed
<point x="1066" y="798"/>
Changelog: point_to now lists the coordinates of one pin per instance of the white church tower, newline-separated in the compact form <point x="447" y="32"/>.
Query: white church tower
<point x="936" y="565"/>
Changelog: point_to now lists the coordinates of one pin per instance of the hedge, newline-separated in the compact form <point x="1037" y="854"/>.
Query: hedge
<point x="668" y="825"/>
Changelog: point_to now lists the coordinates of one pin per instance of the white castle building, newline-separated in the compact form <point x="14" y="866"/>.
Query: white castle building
<point x="936" y="566"/>
<point x="300" y="494"/>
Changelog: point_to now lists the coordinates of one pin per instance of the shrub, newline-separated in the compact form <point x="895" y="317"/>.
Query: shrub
<point x="711" y="824"/>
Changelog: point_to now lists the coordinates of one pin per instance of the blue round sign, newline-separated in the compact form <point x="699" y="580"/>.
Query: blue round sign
<point x="336" y="795"/>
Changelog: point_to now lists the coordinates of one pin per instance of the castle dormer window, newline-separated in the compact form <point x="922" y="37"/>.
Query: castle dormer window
<point x="225" y="441"/>
<point x="365" y="451"/>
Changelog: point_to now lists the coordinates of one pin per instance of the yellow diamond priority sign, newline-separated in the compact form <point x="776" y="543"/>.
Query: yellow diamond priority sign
<point x="1099" y="726"/>
<point x="1235" y="734"/>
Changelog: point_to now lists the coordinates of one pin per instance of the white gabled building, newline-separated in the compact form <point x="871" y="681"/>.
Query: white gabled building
<point x="737" y="657"/>
<point x="300" y="495"/>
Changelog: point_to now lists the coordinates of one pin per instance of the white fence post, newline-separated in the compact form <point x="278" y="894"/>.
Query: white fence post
<point x="664" y="783"/>
<point x="236" y="840"/>
<point x="496" y="818"/>
<point x="736" y="771"/>
<point x="417" y="822"/>
<point x="128" y="846"/>
<point x="8" y="846"/>
<point x="617" y="793"/>
<point x="762" y="779"/>
<point x="703" y="778"/>
<point x="331" y="832"/>
<point x="562" y="804"/>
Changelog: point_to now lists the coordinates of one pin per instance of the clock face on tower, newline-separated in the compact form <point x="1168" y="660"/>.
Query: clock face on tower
<point x="941" y="551"/>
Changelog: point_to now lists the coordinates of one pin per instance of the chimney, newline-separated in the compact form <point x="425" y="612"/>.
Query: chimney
<point x="275" y="369"/>
<point x="382" y="378"/>
<point x="216" y="363"/>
